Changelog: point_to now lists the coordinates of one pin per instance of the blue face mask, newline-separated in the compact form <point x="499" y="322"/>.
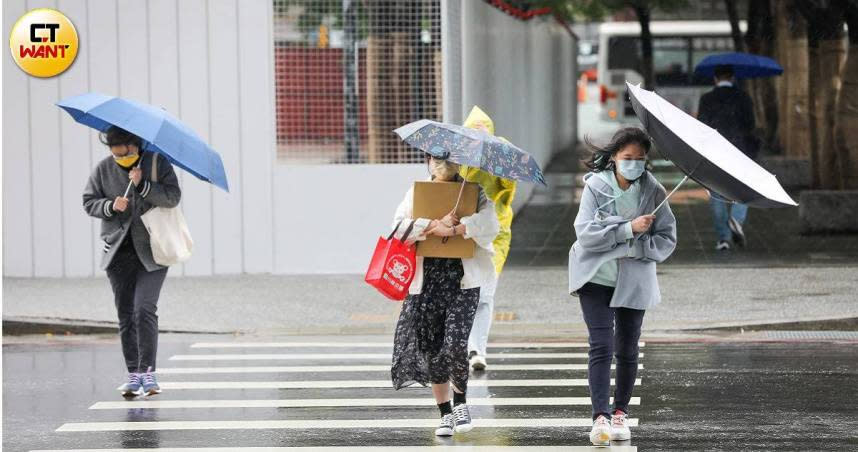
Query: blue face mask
<point x="631" y="169"/>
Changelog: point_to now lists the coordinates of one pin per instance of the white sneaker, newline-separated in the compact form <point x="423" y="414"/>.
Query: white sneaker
<point x="737" y="231"/>
<point x="722" y="245"/>
<point x="448" y="424"/>
<point x="478" y="362"/>
<point x="619" y="428"/>
<point x="600" y="435"/>
<point x="463" y="418"/>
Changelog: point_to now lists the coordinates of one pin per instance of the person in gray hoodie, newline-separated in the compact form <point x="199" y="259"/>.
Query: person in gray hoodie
<point x="612" y="269"/>
<point x="126" y="252"/>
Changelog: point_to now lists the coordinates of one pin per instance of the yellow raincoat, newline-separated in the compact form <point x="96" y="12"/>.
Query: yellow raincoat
<point x="501" y="191"/>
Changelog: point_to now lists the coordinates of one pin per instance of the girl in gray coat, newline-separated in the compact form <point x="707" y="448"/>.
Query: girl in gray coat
<point x="126" y="254"/>
<point x="612" y="269"/>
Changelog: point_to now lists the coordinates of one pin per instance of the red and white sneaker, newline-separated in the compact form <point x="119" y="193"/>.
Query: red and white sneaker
<point x="600" y="435"/>
<point x="619" y="426"/>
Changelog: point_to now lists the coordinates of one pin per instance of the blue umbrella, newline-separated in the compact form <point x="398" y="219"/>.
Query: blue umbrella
<point x="472" y="147"/>
<point x="160" y="131"/>
<point x="745" y="65"/>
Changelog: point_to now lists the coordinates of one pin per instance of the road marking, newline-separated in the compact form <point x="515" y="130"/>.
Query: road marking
<point x="350" y="384"/>
<point x="318" y="403"/>
<point x="321" y="424"/>
<point x="378" y="345"/>
<point x="358" y="356"/>
<point x="438" y="448"/>
<point x="356" y="368"/>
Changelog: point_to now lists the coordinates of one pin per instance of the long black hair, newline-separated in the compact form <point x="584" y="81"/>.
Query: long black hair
<point x="600" y="159"/>
<point x="116" y="136"/>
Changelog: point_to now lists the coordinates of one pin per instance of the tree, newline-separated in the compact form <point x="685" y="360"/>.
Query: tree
<point x="792" y="52"/>
<point x="760" y="40"/>
<point x="825" y="57"/>
<point x="735" y="31"/>
<point x="846" y="133"/>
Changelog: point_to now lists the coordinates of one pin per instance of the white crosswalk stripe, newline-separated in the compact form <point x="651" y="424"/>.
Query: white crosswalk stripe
<point x="439" y="448"/>
<point x="386" y="345"/>
<point x="310" y="403"/>
<point x="355" y="368"/>
<point x="556" y="392"/>
<point x="354" y="356"/>
<point x="321" y="424"/>
<point x="355" y="384"/>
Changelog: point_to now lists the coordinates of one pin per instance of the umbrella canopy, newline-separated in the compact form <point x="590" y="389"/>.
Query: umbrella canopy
<point x="160" y="132"/>
<point x="472" y="147"/>
<point x="745" y="65"/>
<point x="704" y="155"/>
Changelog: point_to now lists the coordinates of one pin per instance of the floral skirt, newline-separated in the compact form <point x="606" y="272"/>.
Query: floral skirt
<point x="431" y="341"/>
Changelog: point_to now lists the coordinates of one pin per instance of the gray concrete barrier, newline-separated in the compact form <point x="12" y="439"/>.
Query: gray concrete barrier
<point x="824" y="211"/>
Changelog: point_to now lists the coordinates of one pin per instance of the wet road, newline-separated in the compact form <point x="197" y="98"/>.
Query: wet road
<point x="693" y="396"/>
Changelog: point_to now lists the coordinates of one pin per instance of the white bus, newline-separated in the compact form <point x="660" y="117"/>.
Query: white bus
<point x="677" y="47"/>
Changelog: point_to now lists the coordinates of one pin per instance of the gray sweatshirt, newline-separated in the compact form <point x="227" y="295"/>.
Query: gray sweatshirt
<point x="108" y="181"/>
<point x="601" y="237"/>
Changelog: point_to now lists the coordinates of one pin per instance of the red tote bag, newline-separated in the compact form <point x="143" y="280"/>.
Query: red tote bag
<point x="393" y="264"/>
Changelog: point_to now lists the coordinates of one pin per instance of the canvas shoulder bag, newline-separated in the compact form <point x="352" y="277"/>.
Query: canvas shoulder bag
<point x="169" y="236"/>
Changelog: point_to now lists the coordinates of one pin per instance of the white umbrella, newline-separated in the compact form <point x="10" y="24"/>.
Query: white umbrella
<point x="704" y="155"/>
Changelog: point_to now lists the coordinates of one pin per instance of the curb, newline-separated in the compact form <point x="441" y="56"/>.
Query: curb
<point x="19" y="326"/>
<point x="836" y="324"/>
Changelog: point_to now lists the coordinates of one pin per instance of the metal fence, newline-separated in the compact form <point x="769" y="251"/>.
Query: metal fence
<point x="348" y="72"/>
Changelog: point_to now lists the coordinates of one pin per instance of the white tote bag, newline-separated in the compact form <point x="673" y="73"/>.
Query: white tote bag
<point x="168" y="233"/>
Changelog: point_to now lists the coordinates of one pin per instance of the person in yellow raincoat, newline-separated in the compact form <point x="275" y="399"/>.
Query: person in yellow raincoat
<point x="501" y="191"/>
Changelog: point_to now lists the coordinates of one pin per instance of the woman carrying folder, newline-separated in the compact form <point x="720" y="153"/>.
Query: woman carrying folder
<point x="431" y="340"/>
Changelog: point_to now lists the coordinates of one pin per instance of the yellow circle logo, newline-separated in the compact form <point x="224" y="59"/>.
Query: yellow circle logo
<point x="43" y="42"/>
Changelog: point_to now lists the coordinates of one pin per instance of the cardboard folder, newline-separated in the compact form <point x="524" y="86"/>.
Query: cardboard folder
<point x="434" y="200"/>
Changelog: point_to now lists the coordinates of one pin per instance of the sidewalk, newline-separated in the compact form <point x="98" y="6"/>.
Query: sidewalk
<point x="780" y="277"/>
<point x="530" y="301"/>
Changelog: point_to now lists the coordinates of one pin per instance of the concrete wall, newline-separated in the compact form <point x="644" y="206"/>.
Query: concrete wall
<point x="523" y="75"/>
<point x="219" y="79"/>
<point x="209" y="62"/>
<point x="331" y="216"/>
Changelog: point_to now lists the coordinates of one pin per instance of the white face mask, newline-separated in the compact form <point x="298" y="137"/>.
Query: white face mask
<point x="631" y="169"/>
<point x="443" y="170"/>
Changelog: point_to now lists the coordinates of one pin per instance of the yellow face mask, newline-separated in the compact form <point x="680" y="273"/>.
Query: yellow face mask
<point x="128" y="161"/>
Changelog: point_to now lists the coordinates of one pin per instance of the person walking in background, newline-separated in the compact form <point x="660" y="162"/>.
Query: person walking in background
<point x="501" y="191"/>
<point x="126" y="254"/>
<point x="730" y="111"/>
<point x="612" y="269"/>
<point x="431" y="340"/>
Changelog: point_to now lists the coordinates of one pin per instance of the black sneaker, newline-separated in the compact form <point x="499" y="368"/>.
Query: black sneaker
<point x="722" y="245"/>
<point x="463" y="418"/>
<point x="737" y="231"/>
<point x="448" y="425"/>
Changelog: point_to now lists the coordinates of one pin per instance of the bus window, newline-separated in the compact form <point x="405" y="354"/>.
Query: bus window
<point x="624" y="53"/>
<point x="674" y="57"/>
<point x="670" y="61"/>
<point x="705" y="46"/>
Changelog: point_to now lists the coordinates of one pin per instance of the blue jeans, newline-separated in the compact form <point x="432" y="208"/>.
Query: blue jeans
<point x="602" y="320"/>
<point x="721" y="212"/>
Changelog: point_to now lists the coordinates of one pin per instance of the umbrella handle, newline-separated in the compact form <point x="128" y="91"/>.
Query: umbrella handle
<point x="670" y="194"/>
<point x="139" y="165"/>
<point x="459" y="199"/>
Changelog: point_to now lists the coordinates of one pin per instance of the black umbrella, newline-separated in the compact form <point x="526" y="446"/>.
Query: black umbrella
<point x="704" y="155"/>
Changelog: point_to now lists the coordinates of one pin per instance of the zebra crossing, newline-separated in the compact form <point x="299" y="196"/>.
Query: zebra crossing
<point x="337" y="396"/>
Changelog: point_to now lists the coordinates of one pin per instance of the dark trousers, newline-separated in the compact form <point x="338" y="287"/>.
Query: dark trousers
<point x="613" y="332"/>
<point x="136" y="293"/>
